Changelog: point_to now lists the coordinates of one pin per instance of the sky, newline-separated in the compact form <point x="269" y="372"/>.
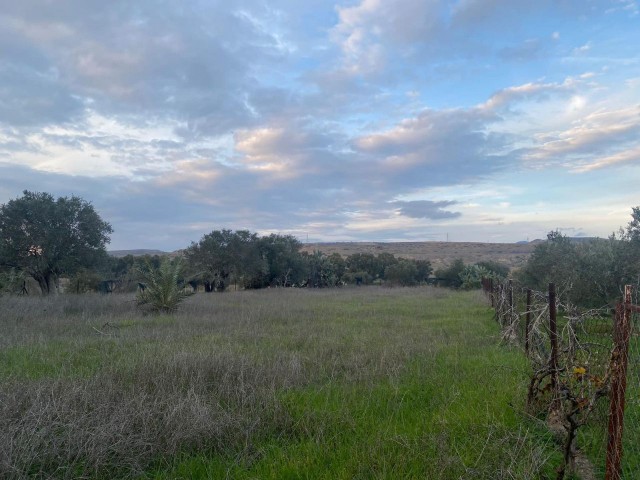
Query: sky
<point x="362" y="120"/>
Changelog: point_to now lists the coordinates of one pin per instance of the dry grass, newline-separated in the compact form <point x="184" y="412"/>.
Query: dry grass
<point x="271" y="381"/>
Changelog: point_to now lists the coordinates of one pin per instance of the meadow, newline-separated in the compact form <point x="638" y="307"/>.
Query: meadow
<point x="365" y="382"/>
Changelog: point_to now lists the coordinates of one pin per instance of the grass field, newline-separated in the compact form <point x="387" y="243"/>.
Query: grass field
<point x="281" y="383"/>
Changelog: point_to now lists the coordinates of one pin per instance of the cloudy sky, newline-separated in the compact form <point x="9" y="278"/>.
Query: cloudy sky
<point x="372" y="120"/>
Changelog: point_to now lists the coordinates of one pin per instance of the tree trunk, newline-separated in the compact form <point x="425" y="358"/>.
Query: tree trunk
<point x="45" y="281"/>
<point x="44" y="288"/>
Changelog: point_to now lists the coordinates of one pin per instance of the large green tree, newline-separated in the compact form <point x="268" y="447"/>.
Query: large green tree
<point x="46" y="238"/>
<point x="555" y="260"/>
<point x="223" y="255"/>
<point x="285" y="264"/>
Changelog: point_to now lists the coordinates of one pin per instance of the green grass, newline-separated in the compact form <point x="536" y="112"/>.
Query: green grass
<point x="451" y="413"/>
<point x="55" y="359"/>
<point x="353" y="383"/>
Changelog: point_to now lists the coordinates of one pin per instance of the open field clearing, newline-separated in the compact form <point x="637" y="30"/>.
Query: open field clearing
<point x="281" y="383"/>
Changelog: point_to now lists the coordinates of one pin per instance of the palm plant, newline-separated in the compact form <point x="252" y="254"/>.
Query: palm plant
<point x="162" y="292"/>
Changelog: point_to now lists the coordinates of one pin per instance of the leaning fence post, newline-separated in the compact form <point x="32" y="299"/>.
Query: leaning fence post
<point x="553" y="334"/>
<point x="619" y="359"/>
<point x="527" y="322"/>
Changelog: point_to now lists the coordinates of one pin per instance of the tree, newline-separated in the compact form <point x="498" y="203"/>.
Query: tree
<point x="222" y="254"/>
<point x="246" y="262"/>
<point x="424" y="270"/>
<point x="46" y="238"/>
<point x="285" y="264"/>
<point x="322" y="270"/>
<point x="402" y="272"/>
<point x="554" y="261"/>
<point x="450" y="276"/>
<point x="633" y="228"/>
<point x="339" y="265"/>
<point x="363" y="263"/>
<point x="383" y="262"/>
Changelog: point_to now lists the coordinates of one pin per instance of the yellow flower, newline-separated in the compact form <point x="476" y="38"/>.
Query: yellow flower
<point x="579" y="371"/>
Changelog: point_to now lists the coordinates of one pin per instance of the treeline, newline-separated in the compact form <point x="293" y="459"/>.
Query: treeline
<point x="245" y="260"/>
<point x="589" y="273"/>
<point x="44" y="240"/>
<point x="242" y="260"/>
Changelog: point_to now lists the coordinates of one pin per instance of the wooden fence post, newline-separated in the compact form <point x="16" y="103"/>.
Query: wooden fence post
<point x="619" y="359"/>
<point x="510" y="303"/>
<point x="492" y="293"/>
<point x="553" y="334"/>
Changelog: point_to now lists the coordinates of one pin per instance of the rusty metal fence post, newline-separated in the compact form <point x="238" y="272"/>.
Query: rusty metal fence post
<point x="527" y="322"/>
<point x="619" y="360"/>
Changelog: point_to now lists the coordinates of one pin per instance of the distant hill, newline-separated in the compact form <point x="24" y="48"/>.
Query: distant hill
<point x="582" y="239"/>
<point x="440" y="254"/>
<point x="135" y="253"/>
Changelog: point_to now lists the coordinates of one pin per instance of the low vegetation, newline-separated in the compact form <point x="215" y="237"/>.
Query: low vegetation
<point x="161" y="291"/>
<point x="286" y="383"/>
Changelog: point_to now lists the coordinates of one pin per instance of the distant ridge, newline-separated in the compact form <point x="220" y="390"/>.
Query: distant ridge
<point x="583" y="239"/>
<point x="135" y="253"/>
<point x="440" y="254"/>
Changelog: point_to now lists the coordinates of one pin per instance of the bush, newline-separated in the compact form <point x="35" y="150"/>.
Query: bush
<point x="11" y="281"/>
<point x="357" y="278"/>
<point x="450" y="276"/>
<point x="162" y="292"/>
<point x="472" y="276"/>
<point x="404" y="273"/>
<point x="496" y="269"/>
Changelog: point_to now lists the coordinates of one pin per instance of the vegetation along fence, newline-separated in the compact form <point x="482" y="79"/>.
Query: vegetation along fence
<point x="585" y="377"/>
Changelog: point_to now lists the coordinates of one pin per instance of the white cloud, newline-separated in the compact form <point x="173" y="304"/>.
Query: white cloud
<point x="581" y="50"/>
<point x="302" y="116"/>
<point x="626" y="156"/>
<point x="614" y="133"/>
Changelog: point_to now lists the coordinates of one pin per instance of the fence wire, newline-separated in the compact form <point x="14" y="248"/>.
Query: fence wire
<point x="631" y="435"/>
<point x="570" y="383"/>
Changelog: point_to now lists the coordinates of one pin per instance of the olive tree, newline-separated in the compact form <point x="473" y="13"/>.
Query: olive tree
<point x="45" y="238"/>
<point x="223" y="255"/>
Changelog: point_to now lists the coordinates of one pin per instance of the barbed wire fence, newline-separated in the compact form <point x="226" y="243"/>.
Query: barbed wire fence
<point x="581" y="362"/>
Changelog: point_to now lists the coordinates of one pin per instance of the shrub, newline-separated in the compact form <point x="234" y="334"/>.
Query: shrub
<point x="357" y="278"/>
<point x="472" y="275"/>
<point x="403" y="273"/>
<point x="11" y="281"/>
<point x="162" y="291"/>
<point x="450" y="276"/>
